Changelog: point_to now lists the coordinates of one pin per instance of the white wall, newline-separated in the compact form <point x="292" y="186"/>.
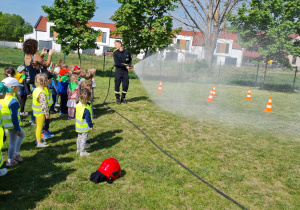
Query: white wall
<point x="239" y="55"/>
<point x="11" y="44"/>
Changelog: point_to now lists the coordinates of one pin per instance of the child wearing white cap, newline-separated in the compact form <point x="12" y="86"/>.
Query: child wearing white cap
<point x="3" y="91"/>
<point x="11" y="121"/>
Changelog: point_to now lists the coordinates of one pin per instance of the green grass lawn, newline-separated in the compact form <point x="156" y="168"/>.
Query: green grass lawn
<point x="255" y="164"/>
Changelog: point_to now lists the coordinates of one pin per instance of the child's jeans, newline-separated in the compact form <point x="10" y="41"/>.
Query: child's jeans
<point x="54" y="97"/>
<point x="81" y="141"/>
<point x="15" y="142"/>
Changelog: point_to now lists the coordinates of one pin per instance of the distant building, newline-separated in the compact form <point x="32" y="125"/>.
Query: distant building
<point x="188" y="44"/>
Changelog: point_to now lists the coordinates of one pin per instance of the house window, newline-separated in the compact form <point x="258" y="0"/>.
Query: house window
<point x="187" y="44"/>
<point x="51" y="32"/>
<point x="222" y="48"/>
<point x="178" y="43"/>
<point x="182" y="44"/>
<point x="104" y="37"/>
<point x="294" y="60"/>
<point x="101" y="37"/>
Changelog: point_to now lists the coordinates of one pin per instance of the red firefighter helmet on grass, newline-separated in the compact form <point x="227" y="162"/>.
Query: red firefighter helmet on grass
<point x="111" y="169"/>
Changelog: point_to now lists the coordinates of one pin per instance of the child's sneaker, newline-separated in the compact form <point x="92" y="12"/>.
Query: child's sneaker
<point x="87" y="145"/>
<point x="84" y="154"/>
<point x="24" y="113"/>
<point x="18" y="158"/>
<point x="93" y="107"/>
<point x="3" y="171"/>
<point x="32" y="122"/>
<point x="45" y="136"/>
<point x="49" y="133"/>
<point x="11" y="162"/>
<point x="42" y="145"/>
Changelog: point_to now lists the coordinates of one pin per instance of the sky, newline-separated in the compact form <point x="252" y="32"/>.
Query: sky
<point x="31" y="10"/>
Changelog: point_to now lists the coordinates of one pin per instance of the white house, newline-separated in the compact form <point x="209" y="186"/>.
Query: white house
<point x="189" y="44"/>
<point x="42" y="31"/>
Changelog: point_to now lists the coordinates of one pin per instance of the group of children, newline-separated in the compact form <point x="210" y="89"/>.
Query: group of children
<point x="74" y="86"/>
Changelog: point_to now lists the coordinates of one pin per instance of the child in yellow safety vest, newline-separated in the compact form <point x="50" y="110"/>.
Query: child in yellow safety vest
<point x="3" y="91"/>
<point x="84" y="121"/>
<point x="11" y="121"/>
<point x="40" y="107"/>
<point x="46" y="133"/>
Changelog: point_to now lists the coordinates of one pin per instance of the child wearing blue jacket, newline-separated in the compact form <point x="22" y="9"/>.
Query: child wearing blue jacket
<point x="53" y="88"/>
<point x="62" y="88"/>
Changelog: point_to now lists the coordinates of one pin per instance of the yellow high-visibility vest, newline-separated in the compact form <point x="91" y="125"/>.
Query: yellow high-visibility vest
<point x="6" y="113"/>
<point x="48" y="96"/>
<point x="81" y="125"/>
<point x="1" y="139"/>
<point x="36" y="106"/>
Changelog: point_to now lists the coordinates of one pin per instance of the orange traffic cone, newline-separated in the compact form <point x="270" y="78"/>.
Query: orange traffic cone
<point x="160" y="87"/>
<point x="210" y="97"/>
<point x="269" y="105"/>
<point x="248" y="98"/>
<point x="214" y="91"/>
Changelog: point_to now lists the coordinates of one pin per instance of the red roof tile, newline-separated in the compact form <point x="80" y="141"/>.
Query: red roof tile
<point x="250" y="54"/>
<point x="42" y="25"/>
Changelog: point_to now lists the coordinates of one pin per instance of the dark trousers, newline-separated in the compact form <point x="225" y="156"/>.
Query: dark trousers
<point x="46" y="124"/>
<point x="23" y="102"/>
<point x="54" y="102"/>
<point x="121" y="76"/>
<point x="63" y="103"/>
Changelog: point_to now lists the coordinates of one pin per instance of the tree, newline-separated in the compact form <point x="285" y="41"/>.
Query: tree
<point x="144" y="25"/>
<point x="13" y="27"/>
<point x="70" y="18"/>
<point x="207" y="19"/>
<point x="266" y="26"/>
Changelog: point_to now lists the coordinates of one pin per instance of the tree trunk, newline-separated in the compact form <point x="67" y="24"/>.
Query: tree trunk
<point x="146" y="51"/>
<point x="79" y="57"/>
<point x="264" y="76"/>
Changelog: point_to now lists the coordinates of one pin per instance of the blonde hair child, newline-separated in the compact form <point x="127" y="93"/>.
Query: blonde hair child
<point x="39" y="106"/>
<point x="84" y="121"/>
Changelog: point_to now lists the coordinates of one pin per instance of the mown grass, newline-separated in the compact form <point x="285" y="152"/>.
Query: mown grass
<point x="258" y="167"/>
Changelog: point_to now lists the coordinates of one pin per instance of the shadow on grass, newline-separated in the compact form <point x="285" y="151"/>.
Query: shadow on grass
<point x="140" y="98"/>
<point x="270" y="87"/>
<point x="105" y="140"/>
<point x="279" y="88"/>
<point x="31" y="181"/>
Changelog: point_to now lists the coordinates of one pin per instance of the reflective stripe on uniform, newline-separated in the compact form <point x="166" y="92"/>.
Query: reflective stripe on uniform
<point x="6" y="117"/>
<point x="81" y="122"/>
<point x="117" y="92"/>
<point x="124" y="92"/>
<point x="37" y="106"/>
<point x="82" y="129"/>
<point x="37" y="112"/>
<point x="6" y="125"/>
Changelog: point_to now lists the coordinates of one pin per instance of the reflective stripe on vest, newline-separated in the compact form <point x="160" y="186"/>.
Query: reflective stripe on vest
<point x="36" y="106"/>
<point x="6" y="113"/>
<point x="81" y="124"/>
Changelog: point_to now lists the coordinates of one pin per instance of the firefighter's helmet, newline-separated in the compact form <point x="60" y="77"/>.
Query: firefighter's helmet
<point x="111" y="169"/>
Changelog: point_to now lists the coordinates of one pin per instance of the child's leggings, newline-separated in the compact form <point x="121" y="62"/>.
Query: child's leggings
<point x="15" y="142"/>
<point x="71" y="112"/>
<point x="39" y="120"/>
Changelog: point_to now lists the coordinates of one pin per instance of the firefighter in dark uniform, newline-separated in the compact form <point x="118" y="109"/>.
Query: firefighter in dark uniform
<point x="122" y="60"/>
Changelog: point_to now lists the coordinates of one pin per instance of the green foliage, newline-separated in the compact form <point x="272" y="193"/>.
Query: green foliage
<point x="70" y="18"/>
<point x="144" y="25"/>
<point x="13" y="27"/>
<point x="266" y="26"/>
